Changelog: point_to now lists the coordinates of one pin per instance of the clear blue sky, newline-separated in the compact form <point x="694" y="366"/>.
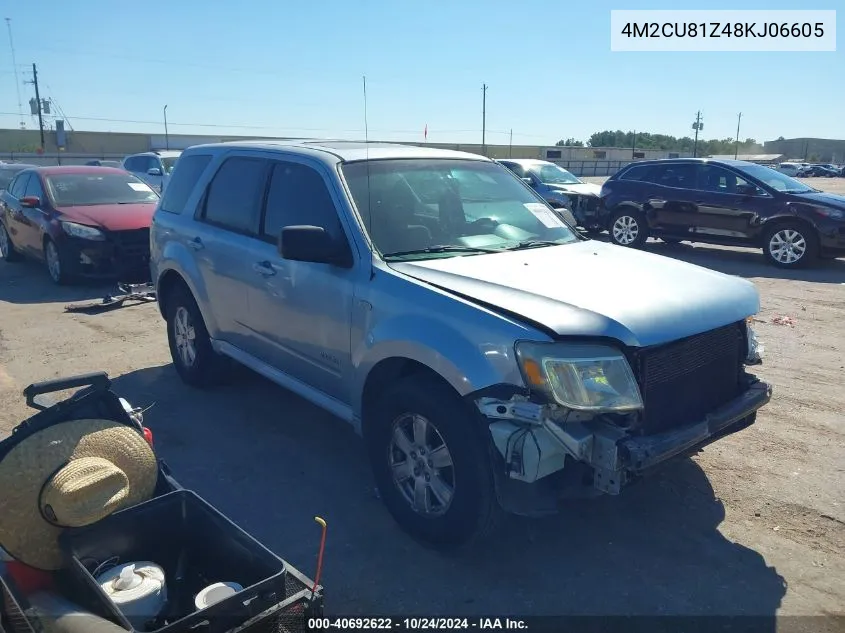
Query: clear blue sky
<point x="275" y="67"/>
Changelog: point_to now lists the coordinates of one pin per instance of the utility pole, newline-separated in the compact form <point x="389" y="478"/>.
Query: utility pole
<point x="38" y="104"/>
<point x="484" y="119"/>
<point x="736" y="146"/>
<point x="634" y="146"/>
<point x="510" y="143"/>
<point x="166" y="135"/>
<point x="697" y="126"/>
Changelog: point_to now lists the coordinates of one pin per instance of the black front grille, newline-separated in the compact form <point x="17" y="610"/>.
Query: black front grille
<point x="586" y="203"/>
<point x="134" y="243"/>
<point x="681" y="382"/>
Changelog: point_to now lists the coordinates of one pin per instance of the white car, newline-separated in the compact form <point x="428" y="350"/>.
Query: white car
<point x="154" y="168"/>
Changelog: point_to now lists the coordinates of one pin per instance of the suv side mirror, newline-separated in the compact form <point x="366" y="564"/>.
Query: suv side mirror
<point x="746" y="190"/>
<point x="313" y="244"/>
<point x="154" y="171"/>
<point x="528" y="181"/>
<point x="30" y="202"/>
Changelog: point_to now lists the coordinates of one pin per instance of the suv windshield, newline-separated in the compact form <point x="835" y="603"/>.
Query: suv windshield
<point x="169" y="162"/>
<point x="448" y="208"/>
<point x="775" y="179"/>
<point x="552" y="174"/>
<point x="69" y="190"/>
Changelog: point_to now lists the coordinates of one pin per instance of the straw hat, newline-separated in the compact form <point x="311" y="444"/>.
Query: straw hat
<point x="69" y="475"/>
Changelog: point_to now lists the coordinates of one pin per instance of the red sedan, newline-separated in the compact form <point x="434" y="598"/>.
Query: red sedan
<point x="79" y="221"/>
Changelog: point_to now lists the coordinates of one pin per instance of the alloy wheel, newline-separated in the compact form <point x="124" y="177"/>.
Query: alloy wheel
<point x="787" y="246"/>
<point x="185" y="337"/>
<point x="625" y="230"/>
<point x="421" y="465"/>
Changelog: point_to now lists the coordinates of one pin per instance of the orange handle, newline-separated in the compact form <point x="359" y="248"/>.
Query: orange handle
<point x="322" y="522"/>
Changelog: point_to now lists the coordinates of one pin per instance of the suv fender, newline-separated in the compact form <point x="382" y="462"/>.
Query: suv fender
<point x="425" y="341"/>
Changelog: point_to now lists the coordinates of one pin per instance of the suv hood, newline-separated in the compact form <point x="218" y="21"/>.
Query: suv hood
<point x="582" y="188"/>
<point x="112" y="217"/>
<point x="590" y="288"/>
<point x="827" y="199"/>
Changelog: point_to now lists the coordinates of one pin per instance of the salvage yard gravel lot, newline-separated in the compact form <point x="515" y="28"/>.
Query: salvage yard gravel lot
<point x="754" y="524"/>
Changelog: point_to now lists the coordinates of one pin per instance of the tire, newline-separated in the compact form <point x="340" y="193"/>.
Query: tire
<point x="627" y="228"/>
<point x="7" y="249"/>
<point x="56" y="262"/>
<point x="195" y="360"/>
<point x="444" y="522"/>
<point x="796" y="239"/>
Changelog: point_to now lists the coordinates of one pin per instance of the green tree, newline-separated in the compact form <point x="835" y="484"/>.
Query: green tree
<point x="665" y="142"/>
<point x="570" y="142"/>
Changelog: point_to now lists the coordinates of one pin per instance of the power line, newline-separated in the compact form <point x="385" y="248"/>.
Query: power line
<point x="271" y="127"/>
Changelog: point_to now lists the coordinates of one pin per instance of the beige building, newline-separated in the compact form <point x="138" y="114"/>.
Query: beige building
<point x="80" y="146"/>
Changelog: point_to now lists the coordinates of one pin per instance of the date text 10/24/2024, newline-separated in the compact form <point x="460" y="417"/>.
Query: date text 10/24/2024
<point x="417" y="624"/>
<point x="723" y="30"/>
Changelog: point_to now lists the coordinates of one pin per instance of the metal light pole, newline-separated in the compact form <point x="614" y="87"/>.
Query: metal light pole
<point x="736" y="146"/>
<point x="697" y="126"/>
<point x="166" y="135"/>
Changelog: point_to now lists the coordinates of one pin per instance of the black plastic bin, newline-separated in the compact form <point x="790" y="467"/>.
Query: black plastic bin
<point x="178" y="527"/>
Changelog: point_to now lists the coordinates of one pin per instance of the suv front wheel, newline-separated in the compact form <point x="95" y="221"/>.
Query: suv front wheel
<point x="627" y="228"/>
<point x="431" y="464"/>
<point x="790" y="245"/>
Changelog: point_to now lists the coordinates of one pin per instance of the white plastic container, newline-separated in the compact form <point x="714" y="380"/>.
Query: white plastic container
<point x="138" y="589"/>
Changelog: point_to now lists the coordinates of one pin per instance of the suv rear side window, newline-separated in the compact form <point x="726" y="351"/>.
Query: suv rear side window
<point x="233" y="199"/>
<point x="185" y="175"/>
<point x="133" y="163"/>
<point x="298" y="195"/>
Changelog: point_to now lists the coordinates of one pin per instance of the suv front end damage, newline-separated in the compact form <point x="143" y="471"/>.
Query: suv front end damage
<point x="609" y="416"/>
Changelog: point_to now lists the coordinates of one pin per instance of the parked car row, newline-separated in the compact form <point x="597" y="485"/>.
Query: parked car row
<point x="808" y="170"/>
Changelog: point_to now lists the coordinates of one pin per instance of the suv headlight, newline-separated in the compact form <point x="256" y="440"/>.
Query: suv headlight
<point x="580" y="376"/>
<point x="755" y="347"/>
<point x="84" y="232"/>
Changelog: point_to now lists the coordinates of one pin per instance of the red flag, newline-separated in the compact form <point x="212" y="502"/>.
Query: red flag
<point x="425" y="132"/>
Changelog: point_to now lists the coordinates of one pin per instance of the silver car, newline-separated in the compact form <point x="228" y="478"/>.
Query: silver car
<point x="425" y="297"/>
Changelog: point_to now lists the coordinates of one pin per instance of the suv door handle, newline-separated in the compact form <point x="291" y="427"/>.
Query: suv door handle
<point x="264" y="268"/>
<point x="196" y="244"/>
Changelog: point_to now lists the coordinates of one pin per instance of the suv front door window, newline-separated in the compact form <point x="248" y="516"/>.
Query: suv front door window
<point x="303" y="309"/>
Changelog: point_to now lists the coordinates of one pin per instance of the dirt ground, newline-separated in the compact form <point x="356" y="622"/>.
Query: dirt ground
<point x="755" y="524"/>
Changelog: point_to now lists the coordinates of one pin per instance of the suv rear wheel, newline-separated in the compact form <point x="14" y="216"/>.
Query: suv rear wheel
<point x="190" y="345"/>
<point x="627" y="228"/>
<point x="790" y="245"/>
<point x="431" y="465"/>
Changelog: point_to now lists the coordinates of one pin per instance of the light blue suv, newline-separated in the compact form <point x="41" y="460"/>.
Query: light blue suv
<point x="490" y="356"/>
